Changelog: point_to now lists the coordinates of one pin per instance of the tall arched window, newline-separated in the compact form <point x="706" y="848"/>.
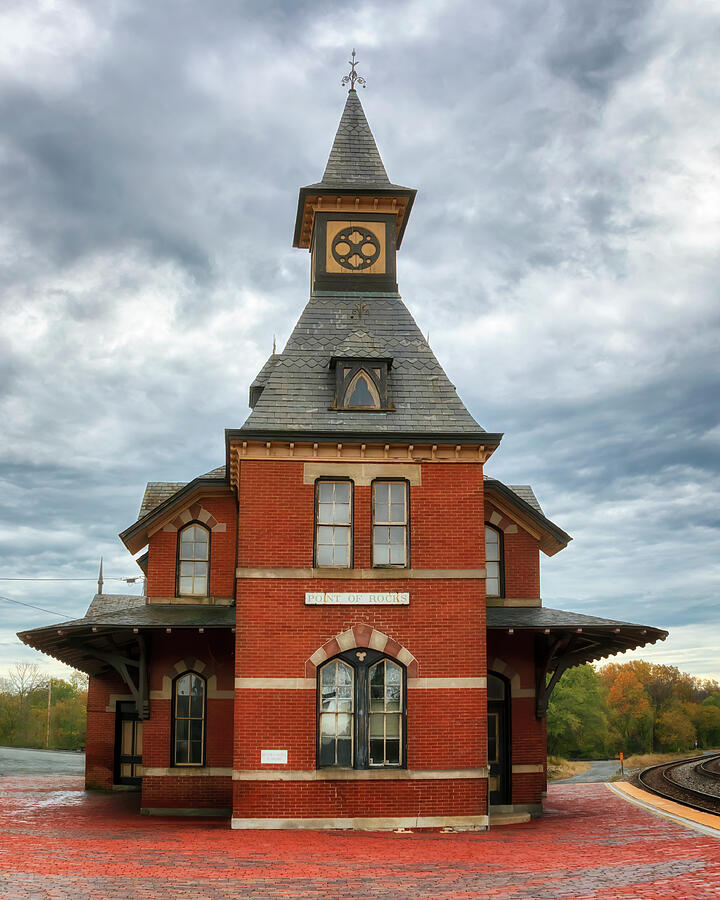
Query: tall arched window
<point x="361" y="711"/>
<point x="193" y="560"/>
<point x="337" y="707"/>
<point x="189" y="720"/>
<point x="494" y="574"/>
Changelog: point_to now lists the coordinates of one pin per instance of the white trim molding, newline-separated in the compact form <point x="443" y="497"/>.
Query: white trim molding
<point x="188" y="772"/>
<point x="332" y="774"/>
<point x="375" y="823"/>
<point x="464" y="684"/>
<point x="275" y="684"/>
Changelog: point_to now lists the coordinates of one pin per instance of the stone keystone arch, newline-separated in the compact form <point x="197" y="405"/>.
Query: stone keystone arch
<point x="362" y="636"/>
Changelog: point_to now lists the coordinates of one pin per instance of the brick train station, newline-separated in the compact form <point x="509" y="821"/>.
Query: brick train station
<point x="342" y="625"/>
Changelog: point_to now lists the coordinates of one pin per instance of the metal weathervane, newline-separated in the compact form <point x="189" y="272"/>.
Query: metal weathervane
<point x="353" y="76"/>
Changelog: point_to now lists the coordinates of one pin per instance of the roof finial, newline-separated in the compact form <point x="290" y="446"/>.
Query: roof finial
<point x="353" y="76"/>
<point x="100" y="578"/>
<point x="274" y="345"/>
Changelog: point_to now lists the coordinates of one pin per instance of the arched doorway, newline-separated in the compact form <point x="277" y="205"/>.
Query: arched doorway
<point x="498" y="703"/>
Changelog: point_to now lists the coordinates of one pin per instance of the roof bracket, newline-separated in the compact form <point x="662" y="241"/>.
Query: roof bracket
<point x="138" y="685"/>
<point x="552" y="658"/>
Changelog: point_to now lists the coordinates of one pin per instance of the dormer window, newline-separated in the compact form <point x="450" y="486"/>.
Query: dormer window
<point x="361" y="384"/>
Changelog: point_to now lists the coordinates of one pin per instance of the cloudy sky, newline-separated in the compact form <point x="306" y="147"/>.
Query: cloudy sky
<point x="562" y="254"/>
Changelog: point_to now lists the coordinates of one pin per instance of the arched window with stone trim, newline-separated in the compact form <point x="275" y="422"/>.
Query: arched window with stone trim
<point x="494" y="568"/>
<point x="361" y="711"/>
<point x="189" y="715"/>
<point x="193" y="566"/>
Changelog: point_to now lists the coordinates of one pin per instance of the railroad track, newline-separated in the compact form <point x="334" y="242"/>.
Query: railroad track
<point x="694" y="782"/>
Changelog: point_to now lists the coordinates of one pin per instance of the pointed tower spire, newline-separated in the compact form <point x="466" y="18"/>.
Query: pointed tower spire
<point x="355" y="177"/>
<point x="354" y="158"/>
<point x="100" y="577"/>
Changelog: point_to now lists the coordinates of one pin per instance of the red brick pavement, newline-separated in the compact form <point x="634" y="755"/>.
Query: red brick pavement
<point x="58" y="842"/>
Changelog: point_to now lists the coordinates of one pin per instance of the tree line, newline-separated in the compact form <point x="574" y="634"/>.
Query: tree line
<point x="633" y="707"/>
<point x="38" y="711"/>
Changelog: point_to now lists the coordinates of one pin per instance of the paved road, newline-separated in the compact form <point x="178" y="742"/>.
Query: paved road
<point x="600" y="770"/>
<point x="14" y="761"/>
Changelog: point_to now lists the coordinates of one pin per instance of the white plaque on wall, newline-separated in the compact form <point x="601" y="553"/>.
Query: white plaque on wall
<point x="273" y="757"/>
<point x="363" y="598"/>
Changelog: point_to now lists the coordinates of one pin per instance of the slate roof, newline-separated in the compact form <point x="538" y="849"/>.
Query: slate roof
<point x="263" y="374"/>
<point x="157" y="492"/>
<point x="526" y="493"/>
<point x="354" y="158"/>
<point x="299" y="388"/>
<point x="545" y="617"/>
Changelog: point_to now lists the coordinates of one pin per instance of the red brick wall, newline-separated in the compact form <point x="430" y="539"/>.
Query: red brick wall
<point x="443" y="627"/>
<point x="215" y="649"/>
<point x="335" y="799"/>
<point x="522" y="560"/>
<point x="100" y="740"/>
<point x="162" y="548"/>
<point x="187" y="792"/>
<point x="528" y="733"/>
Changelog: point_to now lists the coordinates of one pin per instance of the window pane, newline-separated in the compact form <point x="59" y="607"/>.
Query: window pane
<point x="195" y="752"/>
<point x="201" y="536"/>
<point x="327" y="750"/>
<point x="397" y="492"/>
<point x="392" y="752"/>
<point x="397" y="555"/>
<point x="325" y="513"/>
<point x="325" y="534"/>
<point x="181" y="729"/>
<point x="200" y="569"/>
<point x="324" y="556"/>
<point x="377" y="726"/>
<point x="344" y="673"/>
<point x="342" y="513"/>
<point x="344" y="725"/>
<point x="392" y="726"/>
<point x="492" y="587"/>
<point x="393" y="673"/>
<point x="377" y="754"/>
<point x="344" y="752"/>
<point x="342" y="491"/>
<point x="325" y="491"/>
<point x="397" y="512"/>
<point x="195" y="729"/>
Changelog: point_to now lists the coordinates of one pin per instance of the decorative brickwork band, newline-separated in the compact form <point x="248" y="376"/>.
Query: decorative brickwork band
<point x="362" y="636"/>
<point x="195" y="513"/>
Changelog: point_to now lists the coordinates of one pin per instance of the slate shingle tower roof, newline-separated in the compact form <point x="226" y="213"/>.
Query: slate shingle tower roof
<point x="298" y="388"/>
<point x="294" y="390"/>
<point x="354" y="158"/>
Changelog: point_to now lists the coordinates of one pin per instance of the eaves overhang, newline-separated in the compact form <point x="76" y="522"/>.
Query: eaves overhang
<point x="311" y="193"/>
<point x="135" y="537"/>
<point x="486" y="441"/>
<point x="566" y="639"/>
<point x="551" y="537"/>
<point x="77" y="642"/>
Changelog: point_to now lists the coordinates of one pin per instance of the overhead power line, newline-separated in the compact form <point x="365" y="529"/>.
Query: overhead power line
<point x="53" y="612"/>
<point x="130" y="579"/>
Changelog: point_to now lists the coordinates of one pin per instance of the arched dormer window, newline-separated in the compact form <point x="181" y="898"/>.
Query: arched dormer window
<point x="494" y="568"/>
<point x="189" y="720"/>
<point x="361" y="384"/>
<point x="361" y="393"/>
<point x="193" y="561"/>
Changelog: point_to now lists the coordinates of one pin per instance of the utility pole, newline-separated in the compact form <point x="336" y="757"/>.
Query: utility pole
<point x="47" y="726"/>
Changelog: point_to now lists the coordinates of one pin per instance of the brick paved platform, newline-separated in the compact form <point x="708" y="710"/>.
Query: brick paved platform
<point x="58" y="842"/>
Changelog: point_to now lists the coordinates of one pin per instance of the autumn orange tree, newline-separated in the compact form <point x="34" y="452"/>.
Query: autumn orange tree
<point x="635" y="707"/>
